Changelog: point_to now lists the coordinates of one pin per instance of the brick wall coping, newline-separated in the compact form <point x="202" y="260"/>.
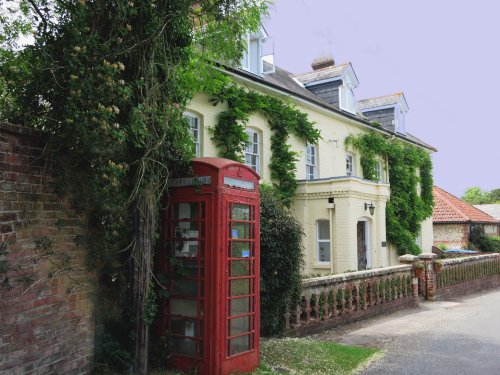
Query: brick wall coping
<point x="474" y="258"/>
<point x="6" y="127"/>
<point x="343" y="277"/>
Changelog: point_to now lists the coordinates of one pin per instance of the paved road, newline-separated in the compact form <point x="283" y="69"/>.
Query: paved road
<point x="460" y="336"/>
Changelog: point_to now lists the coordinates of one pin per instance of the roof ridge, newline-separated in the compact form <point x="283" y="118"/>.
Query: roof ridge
<point x="321" y="69"/>
<point x="399" y="93"/>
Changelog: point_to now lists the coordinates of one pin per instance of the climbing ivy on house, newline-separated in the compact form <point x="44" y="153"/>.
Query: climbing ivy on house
<point x="406" y="209"/>
<point x="230" y="137"/>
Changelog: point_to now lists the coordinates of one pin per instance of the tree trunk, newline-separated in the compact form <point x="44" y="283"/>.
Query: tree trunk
<point x="143" y="261"/>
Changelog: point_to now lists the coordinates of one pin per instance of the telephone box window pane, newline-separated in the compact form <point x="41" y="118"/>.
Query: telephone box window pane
<point x="187" y="288"/>
<point x="240" y="287"/>
<point x="240" y="306"/>
<point x="241" y="212"/>
<point x="240" y="344"/>
<point x="240" y="268"/>
<point x="186" y="248"/>
<point x="240" y="325"/>
<point x="183" y="327"/>
<point x="187" y="268"/>
<point x="241" y="230"/>
<point x="184" y="307"/>
<point x="241" y="250"/>
<point x="183" y="346"/>
<point x="186" y="211"/>
<point x="186" y="229"/>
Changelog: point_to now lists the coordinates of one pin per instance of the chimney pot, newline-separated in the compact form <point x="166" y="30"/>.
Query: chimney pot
<point x="323" y="62"/>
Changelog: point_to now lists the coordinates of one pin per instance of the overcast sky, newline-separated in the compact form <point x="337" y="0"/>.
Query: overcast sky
<point x="444" y="55"/>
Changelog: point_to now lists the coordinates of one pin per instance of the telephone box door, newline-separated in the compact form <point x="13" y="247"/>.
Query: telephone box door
<point x="242" y="283"/>
<point x="189" y="298"/>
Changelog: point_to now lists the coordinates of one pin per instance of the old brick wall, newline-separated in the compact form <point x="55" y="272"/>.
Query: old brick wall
<point x="46" y="313"/>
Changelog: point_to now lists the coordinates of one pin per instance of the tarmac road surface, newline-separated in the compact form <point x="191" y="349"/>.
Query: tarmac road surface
<point x="460" y="336"/>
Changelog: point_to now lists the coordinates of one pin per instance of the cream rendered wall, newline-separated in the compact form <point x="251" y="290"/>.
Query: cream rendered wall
<point x="350" y="193"/>
<point x="427" y="235"/>
<point x="350" y="196"/>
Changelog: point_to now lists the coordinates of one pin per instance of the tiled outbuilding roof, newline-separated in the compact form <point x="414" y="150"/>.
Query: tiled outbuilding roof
<point x="450" y="209"/>
<point x="491" y="209"/>
<point x="320" y="74"/>
<point x="380" y="101"/>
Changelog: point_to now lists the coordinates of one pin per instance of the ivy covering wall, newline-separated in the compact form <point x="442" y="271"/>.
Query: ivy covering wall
<point x="230" y="138"/>
<point x="410" y="167"/>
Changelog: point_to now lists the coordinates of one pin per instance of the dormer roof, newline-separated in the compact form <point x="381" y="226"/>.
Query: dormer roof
<point x="327" y="74"/>
<point x="383" y="102"/>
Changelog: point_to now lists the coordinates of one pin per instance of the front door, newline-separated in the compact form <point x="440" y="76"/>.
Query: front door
<point x="361" y="246"/>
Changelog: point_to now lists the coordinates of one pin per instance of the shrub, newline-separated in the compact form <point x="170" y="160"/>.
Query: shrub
<point x="281" y="261"/>
<point x="492" y="244"/>
<point x="442" y="246"/>
<point x="483" y="242"/>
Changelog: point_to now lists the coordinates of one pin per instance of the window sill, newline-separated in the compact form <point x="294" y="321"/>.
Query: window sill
<point x="323" y="265"/>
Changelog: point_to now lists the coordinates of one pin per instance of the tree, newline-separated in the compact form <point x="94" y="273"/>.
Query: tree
<point x="108" y="81"/>
<point x="474" y="195"/>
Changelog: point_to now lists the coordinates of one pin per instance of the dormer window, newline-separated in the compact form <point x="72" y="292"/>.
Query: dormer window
<point x="252" y="59"/>
<point x="400" y="120"/>
<point x="389" y="111"/>
<point x="347" y="102"/>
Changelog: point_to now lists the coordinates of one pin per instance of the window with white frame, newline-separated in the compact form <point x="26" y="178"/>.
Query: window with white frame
<point x="349" y="165"/>
<point x="252" y="151"/>
<point x="400" y="120"/>
<point x="194" y="129"/>
<point x="347" y="102"/>
<point x="311" y="162"/>
<point x="252" y="54"/>
<point x="380" y="176"/>
<point x="323" y="233"/>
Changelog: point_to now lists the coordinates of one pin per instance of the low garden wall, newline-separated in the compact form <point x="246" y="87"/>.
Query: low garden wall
<point x="340" y="299"/>
<point x="459" y="276"/>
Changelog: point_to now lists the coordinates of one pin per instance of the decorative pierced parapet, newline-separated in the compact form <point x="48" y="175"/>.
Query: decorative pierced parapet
<point x="351" y="295"/>
<point x="467" y="269"/>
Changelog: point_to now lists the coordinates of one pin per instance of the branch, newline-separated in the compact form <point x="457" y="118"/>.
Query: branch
<point x="40" y="14"/>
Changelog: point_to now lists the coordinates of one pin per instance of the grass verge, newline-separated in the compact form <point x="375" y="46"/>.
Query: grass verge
<point x="306" y="356"/>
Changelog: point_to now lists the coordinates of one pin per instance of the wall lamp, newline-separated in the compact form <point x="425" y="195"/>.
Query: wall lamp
<point x="371" y="207"/>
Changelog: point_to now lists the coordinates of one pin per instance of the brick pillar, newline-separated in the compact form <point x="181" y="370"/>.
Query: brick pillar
<point x="430" y="286"/>
<point x="411" y="260"/>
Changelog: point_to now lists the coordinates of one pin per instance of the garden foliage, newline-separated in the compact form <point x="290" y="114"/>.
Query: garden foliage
<point x="108" y="81"/>
<point x="410" y="170"/>
<point x="230" y="137"/>
<point x="281" y="261"/>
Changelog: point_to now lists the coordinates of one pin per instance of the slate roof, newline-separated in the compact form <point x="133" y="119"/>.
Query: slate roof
<point x="380" y="101"/>
<point x="450" y="209"/>
<point x="491" y="209"/>
<point x="284" y="81"/>
<point x="320" y="74"/>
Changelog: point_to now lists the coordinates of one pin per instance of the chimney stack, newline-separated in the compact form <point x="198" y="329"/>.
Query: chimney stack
<point x="323" y="62"/>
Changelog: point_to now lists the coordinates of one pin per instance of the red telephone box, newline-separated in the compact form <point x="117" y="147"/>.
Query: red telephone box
<point x="212" y="259"/>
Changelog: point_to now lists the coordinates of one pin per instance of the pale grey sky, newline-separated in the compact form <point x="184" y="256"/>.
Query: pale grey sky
<point x="444" y="55"/>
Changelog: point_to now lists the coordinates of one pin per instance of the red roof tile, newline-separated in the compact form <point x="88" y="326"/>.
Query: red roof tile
<point x="450" y="209"/>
